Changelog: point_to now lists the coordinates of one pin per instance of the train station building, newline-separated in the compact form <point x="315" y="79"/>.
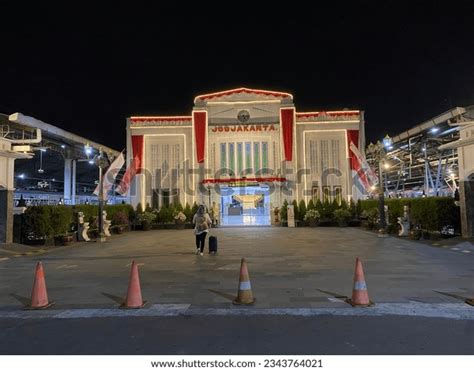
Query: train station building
<point x="246" y="151"/>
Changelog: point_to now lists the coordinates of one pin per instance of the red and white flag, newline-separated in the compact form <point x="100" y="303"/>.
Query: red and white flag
<point x="110" y="176"/>
<point x="131" y="171"/>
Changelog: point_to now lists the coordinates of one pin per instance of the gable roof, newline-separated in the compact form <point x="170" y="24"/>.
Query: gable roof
<point x="250" y="92"/>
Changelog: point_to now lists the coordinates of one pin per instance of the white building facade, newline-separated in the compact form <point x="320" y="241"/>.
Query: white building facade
<point x="245" y="151"/>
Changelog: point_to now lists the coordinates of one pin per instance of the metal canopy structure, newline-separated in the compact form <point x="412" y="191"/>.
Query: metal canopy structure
<point x="63" y="164"/>
<point x="420" y="161"/>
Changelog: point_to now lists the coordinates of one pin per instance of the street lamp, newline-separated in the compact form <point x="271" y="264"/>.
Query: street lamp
<point x="377" y="152"/>
<point x="101" y="163"/>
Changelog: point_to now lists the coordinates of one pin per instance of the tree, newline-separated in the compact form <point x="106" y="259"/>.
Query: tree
<point x="311" y="205"/>
<point x="295" y="210"/>
<point x="139" y="208"/>
<point x="301" y="210"/>
<point x="284" y="211"/>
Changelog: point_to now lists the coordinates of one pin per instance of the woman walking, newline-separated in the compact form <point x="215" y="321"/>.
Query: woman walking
<point x="201" y="221"/>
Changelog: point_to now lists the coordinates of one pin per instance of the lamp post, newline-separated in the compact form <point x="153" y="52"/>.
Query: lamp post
<point x="101" y="163"/>
<point x="377" y="152"/>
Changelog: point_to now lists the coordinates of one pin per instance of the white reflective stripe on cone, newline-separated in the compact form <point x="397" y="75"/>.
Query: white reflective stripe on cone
<point x="360" y="285"/>
<point x="245" y="285"/>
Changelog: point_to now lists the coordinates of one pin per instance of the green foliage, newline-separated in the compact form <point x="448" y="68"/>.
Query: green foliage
<point x="326" y="210"/>
<point x="301" y="210"/>
<point x="372" y="216"/>
<point x="146" y="217"/>
<point x="312" y="215"/>
<point x="319" y="205"/>
<point x="148" y="208"/>
<point x="120" y="218"/>
<point x="166" y="214"/>
<point x="431" y="213"/>
<point x="342" y="216"/>
<point x="311" y="205"/>
<point x="139" y="208"/>
<point x="194" y="210"/>
<point x="60" y="220"/>
<point x="188" y="212"/>
<point x="343" y="205"/>
<point x="37" y="222"/>
<point x="179" y="207"/>
<point x="284" y="211"/>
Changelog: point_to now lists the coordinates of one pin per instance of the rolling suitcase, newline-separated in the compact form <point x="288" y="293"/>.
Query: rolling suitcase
<point x="212" y="245"/>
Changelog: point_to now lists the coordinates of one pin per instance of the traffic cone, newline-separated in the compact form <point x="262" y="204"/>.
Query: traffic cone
<point x="360" y="295"/>
<point x="244" y="295"/>
<point x="39" y="294"/>
<point x="134" y="293"/>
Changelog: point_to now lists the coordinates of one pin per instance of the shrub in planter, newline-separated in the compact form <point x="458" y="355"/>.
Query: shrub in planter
<point x="61" y="220"/>
<point x="371" y="216"/>
<point x="120" y="222"/>
<point x="302" y="212"/>
<point x="312" y="217"/>
<point x="146" y="219"/>
<point x="37" y="225"/>
<point x="342" y="217"/>
<point x="187" y="211"/>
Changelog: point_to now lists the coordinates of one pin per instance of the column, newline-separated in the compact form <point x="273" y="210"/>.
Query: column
<point x="67" y="180"/>
<point x="73" y="183"/>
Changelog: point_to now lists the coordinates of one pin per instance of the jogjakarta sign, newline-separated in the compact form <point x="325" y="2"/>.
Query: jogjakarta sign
<point x="248" y="128"/>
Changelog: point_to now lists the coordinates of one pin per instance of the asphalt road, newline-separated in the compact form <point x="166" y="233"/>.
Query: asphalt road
<point x="317" y="335"/>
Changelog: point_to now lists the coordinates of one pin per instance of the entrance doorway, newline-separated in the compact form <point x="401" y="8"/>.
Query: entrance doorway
<point x="249" y="205"/>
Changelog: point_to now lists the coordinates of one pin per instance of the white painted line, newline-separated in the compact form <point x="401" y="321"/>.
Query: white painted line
<point x="138" y="264"/>
<point x="65" y="266"/>
<point x="455" y="248"/>
<point x="335" y="300"/>
<point x="466" y="251"/>
<point x="4" y="259"/>
<point x="458" y="311"/>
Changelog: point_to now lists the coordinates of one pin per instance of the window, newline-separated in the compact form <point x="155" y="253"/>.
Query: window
<point x="324" y="155"/>
<point x="223" y="157"/>
<point x="335" y="154"/>
<point x="337" y="191"/>
<point x="315" y="193"/>
<point x="248" y="156"/>
<point x="265" y="157"/>
<point x="326" y="194"/>
<point x="256" y="157"/>
<point x="240" y="159"/>
<point x="232" y="159"/>
<point x="313" y="157"/>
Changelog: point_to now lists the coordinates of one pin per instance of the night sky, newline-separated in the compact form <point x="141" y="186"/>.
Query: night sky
<point x="86" y="69"/>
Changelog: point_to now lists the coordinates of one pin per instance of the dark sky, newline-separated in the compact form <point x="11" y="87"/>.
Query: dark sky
<point x="86" y="69"/>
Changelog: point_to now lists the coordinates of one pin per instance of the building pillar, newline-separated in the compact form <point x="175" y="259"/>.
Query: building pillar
<point x="73" y="183"/>
<point x="6" y="216"/>
<point x="67" y="180"/>
<point x="466" y="200"/>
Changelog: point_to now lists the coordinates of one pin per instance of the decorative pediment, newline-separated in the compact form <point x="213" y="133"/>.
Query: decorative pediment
<point x="242" y="95"/>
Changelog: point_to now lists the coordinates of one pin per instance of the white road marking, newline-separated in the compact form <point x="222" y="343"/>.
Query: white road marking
<point x="65" y="266"/>
<point x="466" y="251"/>
<point x="455" y="311"/>
<point x="138" y="264"/>
<point x="3" y="259"/>
<point x="455" y="248"/>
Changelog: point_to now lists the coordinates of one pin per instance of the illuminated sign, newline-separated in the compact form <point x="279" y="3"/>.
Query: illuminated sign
<point x="247" y="128"/>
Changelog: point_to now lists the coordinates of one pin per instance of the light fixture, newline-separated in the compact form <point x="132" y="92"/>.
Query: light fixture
<point x="434" y="129"/>
<point x="63" y="146"/>
<point x="21" y="176"/>
<point x="387" y="141"/>
<point x="91" y="162"/>
<point x="88" y="149"/>
<point x="386" y="165"/>
<point x="43" y="149"/>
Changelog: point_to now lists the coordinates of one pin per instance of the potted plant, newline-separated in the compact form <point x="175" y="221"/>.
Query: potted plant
<point x="146" y="219"/>
<point x="179" y="220"/>
<point x="37" y="225"/>
<point x="61" y="219"/>
<point x="120" y="222"/>
<point x="312" y="217"/>
<point x="371" y="217"/>
<point x="342" y="217"/>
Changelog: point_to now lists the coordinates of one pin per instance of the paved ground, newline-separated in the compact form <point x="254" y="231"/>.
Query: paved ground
<point x="190" y="310"/>
<point x="287" y="267"/>
<point x="238" y="335"/>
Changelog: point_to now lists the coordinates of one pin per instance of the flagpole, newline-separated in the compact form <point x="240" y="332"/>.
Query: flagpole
<point x="101" y="200"/>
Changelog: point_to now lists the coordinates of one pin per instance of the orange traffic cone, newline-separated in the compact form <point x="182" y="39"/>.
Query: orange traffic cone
<point x="39" y="294"/>
<point x="244" y="295"/>
<point x="134" y="293"/>
<point x="360" y="295"/>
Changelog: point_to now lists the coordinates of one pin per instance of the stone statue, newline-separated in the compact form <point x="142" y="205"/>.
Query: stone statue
<point x="83" y="227"/>
<point x="106" y="224"/>
<point x="404" y="222"/>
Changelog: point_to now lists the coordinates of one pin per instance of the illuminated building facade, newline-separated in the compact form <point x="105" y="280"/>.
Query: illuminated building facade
<point x="246" y="151"/>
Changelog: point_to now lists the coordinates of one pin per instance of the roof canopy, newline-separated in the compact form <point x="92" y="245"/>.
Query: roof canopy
<point x="244" y="94"/>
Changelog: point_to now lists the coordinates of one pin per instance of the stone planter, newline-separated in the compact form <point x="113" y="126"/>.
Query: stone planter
<point x="180" y="225"/>
<point x="313" y="223"/>
<point x="146" y="226"/>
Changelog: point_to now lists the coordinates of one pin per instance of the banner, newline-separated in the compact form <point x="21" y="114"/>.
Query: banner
<point x="108" y="179"/>
<point x="366" y="173"/>
<point x="134" y="167"/>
